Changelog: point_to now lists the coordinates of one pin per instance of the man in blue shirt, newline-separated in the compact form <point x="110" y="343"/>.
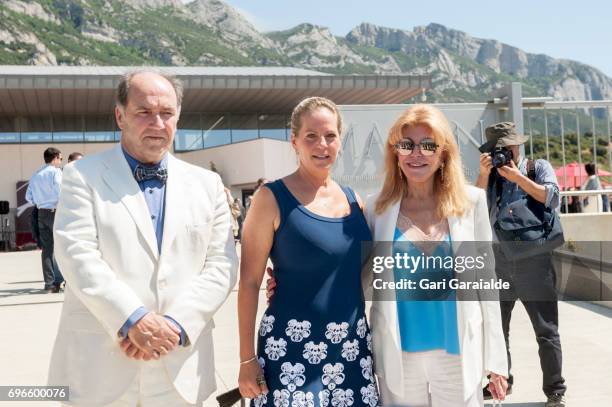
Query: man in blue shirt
<point x="43" y="192"/>
<point x="532" y="279"/>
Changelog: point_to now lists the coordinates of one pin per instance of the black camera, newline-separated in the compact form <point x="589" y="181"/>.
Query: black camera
<point x="501" y="156"/>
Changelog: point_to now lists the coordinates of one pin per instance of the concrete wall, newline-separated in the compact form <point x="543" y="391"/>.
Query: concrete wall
<point x="584" y="264"/>
<point x="241" y="164"/>
<point x="600" y="226"/>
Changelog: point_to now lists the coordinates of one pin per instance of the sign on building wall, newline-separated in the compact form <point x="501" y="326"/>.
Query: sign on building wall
<point x="360" y="162"/>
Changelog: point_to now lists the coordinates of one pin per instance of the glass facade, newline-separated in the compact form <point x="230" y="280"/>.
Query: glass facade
<point x="276" y="126"/>
<point x="189" y="133"/>
<point x="100" y="129"/>
<point x="244" y="127"/>
<point x="218" y="129"/>
<point x="195" y="131"/>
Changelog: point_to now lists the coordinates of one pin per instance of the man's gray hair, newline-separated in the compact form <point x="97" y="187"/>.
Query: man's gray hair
<point x="123" y="88"/>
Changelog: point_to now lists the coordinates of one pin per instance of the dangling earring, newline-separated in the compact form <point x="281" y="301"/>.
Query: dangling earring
<point x="401" y="173"/>
<point x="442" y="172"/>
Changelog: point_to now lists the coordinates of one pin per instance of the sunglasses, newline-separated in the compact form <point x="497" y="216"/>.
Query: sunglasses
<point x="406" y="147"/>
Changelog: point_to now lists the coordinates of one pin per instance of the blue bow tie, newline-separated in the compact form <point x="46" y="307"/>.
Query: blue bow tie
<point x="142" y="173"/>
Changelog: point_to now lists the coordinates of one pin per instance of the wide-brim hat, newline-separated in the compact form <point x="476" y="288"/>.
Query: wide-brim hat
<point x="502" y="135"/>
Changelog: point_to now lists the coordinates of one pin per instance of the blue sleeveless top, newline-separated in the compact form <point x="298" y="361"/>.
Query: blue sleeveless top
<point x="314" y="344"/>
<point x="317" y="259"/>
<point x="426" y="324"/>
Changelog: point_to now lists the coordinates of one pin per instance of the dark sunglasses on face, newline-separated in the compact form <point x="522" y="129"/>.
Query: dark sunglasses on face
<point x="406" y="147"/>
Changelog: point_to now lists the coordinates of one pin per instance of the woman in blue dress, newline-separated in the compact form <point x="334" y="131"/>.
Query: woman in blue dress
<point x="313" y="342"/>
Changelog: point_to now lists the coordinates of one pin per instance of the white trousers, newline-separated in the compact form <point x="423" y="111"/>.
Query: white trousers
<point x="431" y="379"/>
<point x="151" y="388"/>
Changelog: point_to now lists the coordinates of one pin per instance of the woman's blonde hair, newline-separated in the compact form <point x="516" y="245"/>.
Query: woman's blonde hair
<point x="449" y="182"/>
<point x="309" y="105"/>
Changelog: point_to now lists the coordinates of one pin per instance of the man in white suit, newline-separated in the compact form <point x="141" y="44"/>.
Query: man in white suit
<point x="147" y="250"/>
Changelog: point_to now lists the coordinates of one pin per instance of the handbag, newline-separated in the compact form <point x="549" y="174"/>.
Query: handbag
<point x="527" y="227"/>
<point x="230" y="398"/>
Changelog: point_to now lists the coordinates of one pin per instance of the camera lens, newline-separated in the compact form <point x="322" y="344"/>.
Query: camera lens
<point x="498" y="160"/>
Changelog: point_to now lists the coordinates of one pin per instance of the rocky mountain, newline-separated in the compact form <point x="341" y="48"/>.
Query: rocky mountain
<point x="211" y="32"/>
<point x="461" y="61"/>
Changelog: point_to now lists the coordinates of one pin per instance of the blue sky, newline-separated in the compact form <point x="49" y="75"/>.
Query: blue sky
<point x="578" y="30"/>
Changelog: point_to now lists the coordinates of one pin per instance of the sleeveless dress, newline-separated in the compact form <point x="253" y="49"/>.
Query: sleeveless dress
<point x="314" y="343"/>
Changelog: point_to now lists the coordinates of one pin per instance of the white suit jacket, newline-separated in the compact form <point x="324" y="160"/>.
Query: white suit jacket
<point x="481" y="339"/>
<point x="106" y="247"/>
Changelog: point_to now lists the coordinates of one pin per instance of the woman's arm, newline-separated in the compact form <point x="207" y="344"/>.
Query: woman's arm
<point x="257" y="237"/>
<point x="367" y="277"/>
<point x="495" y="358"/>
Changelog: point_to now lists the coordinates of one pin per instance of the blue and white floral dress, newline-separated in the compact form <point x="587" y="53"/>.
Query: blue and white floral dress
<point x="314" y="343"/>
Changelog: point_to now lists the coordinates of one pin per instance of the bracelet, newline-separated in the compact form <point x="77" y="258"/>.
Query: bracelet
<point x="248" y="361"/>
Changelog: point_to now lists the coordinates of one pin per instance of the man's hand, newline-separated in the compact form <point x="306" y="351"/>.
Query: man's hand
<point x="510" y="172"/>
<point x="153" y="335"/>
<point x="132" y="351"/>
<point x="486" y="165"/>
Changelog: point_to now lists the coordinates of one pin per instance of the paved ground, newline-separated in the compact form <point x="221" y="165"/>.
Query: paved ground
<point x="29" y="323"/>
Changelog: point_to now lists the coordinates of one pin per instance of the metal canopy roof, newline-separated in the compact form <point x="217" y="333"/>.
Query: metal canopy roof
<point x="43" y="90"/>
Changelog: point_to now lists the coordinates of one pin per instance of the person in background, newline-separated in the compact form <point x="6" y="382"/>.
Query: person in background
<point x="575" y="203"/>
<point x="43" y="192"/>
<point x="74" y="156"/>
<point x="258" y="184"/>
<point x="593" y="203"/>
<point x="569" y="203"/>
<point x="238" y="206"/>
<point x="235" y="212"/>
<point x="34" y="226"/>
<point x="532" y="280"/>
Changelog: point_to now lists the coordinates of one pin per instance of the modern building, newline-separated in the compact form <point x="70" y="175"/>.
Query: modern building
<point x="234" y="117"/>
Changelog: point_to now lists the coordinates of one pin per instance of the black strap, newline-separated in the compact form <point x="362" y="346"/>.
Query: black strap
<point x="499" y="182"/>
<point x="499" y="186"/>
<point x="531" y="174"/>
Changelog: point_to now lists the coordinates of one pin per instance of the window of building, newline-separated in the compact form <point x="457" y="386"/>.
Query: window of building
<point x="275" y="126"/>
<point x="244" y="127"/>
<point x="8" y="131"/>
<point x="189" y="133"/>
<point x="100" y="129"/>
<point x="67" y="129"/>
<point x="35" y="129"/>
<point x="216" y="130"/>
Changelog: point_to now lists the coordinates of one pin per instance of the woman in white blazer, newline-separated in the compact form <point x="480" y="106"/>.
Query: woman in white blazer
<point x="425" y="198"/>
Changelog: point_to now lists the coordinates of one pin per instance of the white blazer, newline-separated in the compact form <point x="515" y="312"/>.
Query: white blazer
<point x="481" y="338"/>
<point x="106" y="247"/>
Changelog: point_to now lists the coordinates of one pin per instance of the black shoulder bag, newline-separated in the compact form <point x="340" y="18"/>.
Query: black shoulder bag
<point x="527" y="227"/>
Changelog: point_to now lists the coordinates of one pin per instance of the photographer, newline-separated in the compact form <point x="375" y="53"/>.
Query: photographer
<point x="520" y="191"/>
